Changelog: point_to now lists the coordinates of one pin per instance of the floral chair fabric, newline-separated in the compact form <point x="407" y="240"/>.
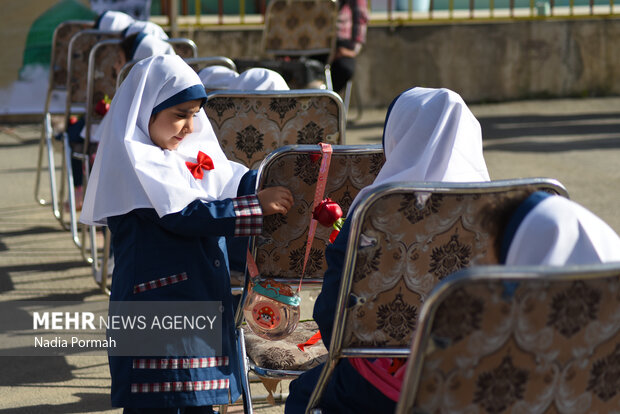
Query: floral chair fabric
<point x="300" y="27"/>
<point x="79" y="52"/>
<point x="60" y="49"/>
<point x="407" y="238"/>
<point x="280" y="249"/>
<point x="285" y="354"/>
<point x="251" y="125"/>
<point x="103" y="74"/>
<point x="496" y="342"/>
<point x="412" y="239"/>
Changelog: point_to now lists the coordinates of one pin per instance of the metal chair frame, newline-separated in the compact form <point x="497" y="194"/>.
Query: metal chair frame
<point x="270" y="160"/>
<point x="91" y="37"/>
<point x="509" y="274"/>
<point x="56" y="83"/>
<point x="336" y="349"/>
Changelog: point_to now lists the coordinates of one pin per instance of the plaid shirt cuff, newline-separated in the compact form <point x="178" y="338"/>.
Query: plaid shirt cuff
<point x="249" y="214"/>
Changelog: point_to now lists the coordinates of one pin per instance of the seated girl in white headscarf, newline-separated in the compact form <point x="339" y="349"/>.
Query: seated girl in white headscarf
<point x="114" y="21"/>
<point x="218" y="77"/>
<point x="555" y="231"/>
<point x="429" y="135"/>
<point x="140" y="26"/>
<point x="170" y="197"/>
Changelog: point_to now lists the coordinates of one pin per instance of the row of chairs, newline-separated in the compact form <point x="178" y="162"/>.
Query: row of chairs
<point x="419" y="232"/>
<point x="250" y="125"/>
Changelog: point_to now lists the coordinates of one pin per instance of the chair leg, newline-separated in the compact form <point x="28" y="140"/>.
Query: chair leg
<point x="347" y="96"/>
<point x="73" y="221"/>
<point x="46" y="143"/>
<point x="245" y="380"/>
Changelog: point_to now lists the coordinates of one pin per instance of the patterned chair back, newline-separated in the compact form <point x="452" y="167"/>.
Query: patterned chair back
<point x="102" y="74"/>
<point x="80" y="47"/>
<point x="300" y="28"/>
<point x="251" y="124"/>
<point x="518" y="339"/>
<point x="280" y="250"/>
<point x="407" y="239"/>
<point x="60" y="50"/>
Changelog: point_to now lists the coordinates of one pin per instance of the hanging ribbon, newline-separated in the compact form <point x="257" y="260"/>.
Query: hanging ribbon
<point x="313" y="340"/>
<point x="326" y="152"/>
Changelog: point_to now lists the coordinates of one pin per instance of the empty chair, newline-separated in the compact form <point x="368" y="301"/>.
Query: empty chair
<point x="251" y="124"/>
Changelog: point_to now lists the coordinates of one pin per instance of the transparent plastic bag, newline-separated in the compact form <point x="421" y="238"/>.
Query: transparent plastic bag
<point x="271" y="309"/>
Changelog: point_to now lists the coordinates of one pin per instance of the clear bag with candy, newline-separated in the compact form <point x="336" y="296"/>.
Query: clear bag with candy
<point x="271" y="309"/>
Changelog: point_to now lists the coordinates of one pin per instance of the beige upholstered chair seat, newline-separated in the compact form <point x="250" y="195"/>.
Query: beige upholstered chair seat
<point x="284" y="354"/>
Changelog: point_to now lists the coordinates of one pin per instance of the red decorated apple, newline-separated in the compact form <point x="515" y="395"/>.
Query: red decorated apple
<point x="103" y="106"/>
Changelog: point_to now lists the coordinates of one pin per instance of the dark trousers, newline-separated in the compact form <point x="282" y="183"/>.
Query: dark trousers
<point x="346" y="392"/>
<point x="342" y="70"/>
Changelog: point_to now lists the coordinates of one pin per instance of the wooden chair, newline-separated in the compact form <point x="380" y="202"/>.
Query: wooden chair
<point x="57" y="82"/>
<point x="517" y="339"/>
<point x="249" y="125"/>
<point x="405" y="238"/>
<point x="279" y="250"/>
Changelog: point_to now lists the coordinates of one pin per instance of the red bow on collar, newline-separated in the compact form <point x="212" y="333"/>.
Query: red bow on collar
<point x="204" y="163"/>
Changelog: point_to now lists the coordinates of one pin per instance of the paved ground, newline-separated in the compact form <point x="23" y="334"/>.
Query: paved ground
<point x="575" y="141"/>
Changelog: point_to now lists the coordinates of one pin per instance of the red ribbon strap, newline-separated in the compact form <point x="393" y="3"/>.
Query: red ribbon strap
<point x="313" y="340"/>
<point x="326" y="156"/>
<point x="204" y="163"/>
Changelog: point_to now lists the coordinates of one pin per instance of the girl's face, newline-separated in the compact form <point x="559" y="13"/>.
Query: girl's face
<point x="169" y="127"/>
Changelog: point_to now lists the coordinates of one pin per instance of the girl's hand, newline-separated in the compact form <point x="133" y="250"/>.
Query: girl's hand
<point x="275" y="200"/>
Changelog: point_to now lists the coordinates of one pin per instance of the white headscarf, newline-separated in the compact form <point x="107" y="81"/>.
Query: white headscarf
<point x="131" y="172"/>
<point x="114" y="21"/>
<point x="557" y="232"/>
<point x="259" y="79"/>
<point x="140" y="26"/>
<point x="430" y="135"/>
<point x="148" y="45"/>
<point x="217" y="77"/>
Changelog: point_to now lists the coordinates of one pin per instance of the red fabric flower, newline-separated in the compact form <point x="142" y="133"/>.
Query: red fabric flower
<point x="204" y="163"/>
<point x="327" y="212"/>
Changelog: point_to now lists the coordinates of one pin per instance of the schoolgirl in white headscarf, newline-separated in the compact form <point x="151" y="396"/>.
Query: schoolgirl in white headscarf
<point x="113" y="21"/>
<point x="146" y="27"/>
<point x="555" y="231"/>
<point x="144" y="175"/>
<point x="147" y="45"/>
<point x="430" y="135"/>
<point x="170" y="198"/>
<point x="259" y="79"/>
<point x="218" y="77"/>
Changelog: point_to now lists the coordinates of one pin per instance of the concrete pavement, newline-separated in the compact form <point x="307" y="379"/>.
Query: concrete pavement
<point x="576" y="141"/>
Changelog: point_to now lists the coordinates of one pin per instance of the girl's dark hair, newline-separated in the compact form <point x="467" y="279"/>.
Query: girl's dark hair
<point x="127" y="45"/>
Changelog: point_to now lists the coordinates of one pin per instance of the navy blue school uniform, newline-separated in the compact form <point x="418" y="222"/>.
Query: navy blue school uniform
<point x="179" y="257"/>
<point x="347" y="391"/>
